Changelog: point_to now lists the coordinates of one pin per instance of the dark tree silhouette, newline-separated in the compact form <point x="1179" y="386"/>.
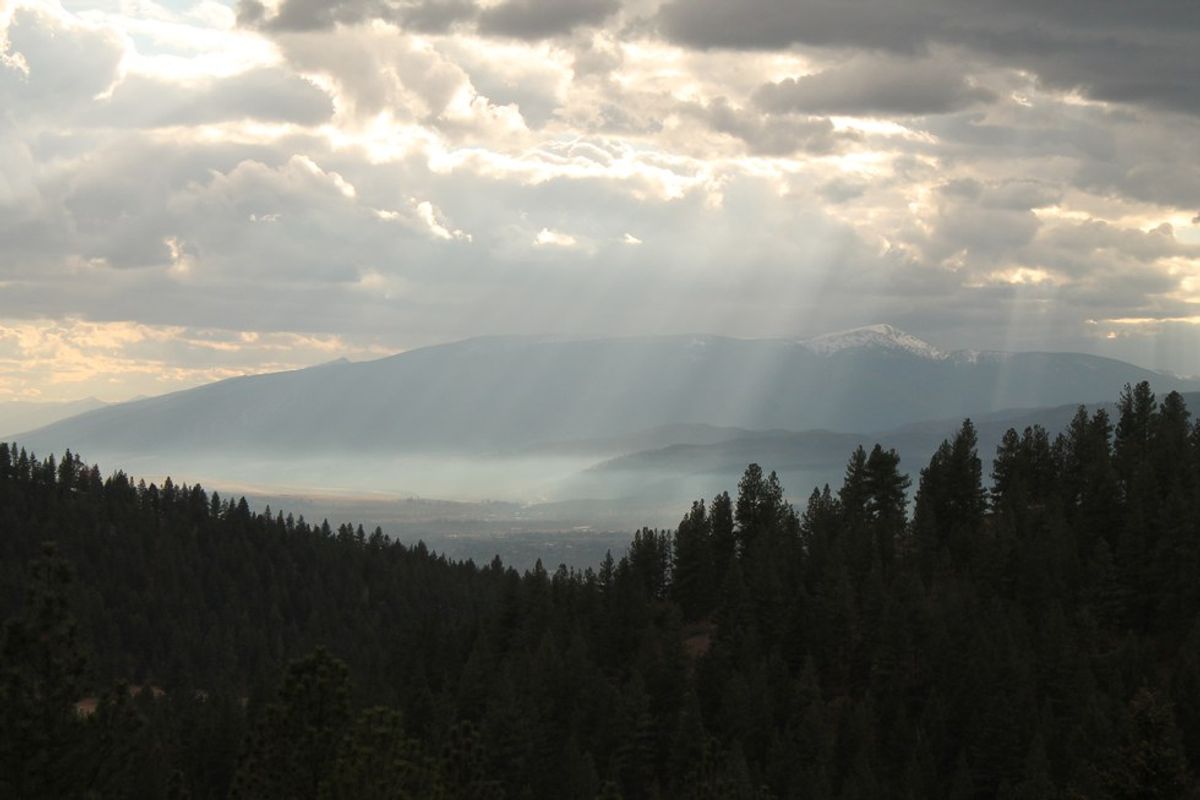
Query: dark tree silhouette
<point x="1036" y="638"/>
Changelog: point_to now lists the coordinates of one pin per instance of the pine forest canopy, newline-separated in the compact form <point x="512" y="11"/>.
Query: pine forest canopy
<point x="1037" y="638"/>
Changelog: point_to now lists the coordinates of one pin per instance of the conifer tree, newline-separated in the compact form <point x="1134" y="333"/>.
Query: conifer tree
<point x="377" y="761"/>
<point x="292" y="751"/>
<point x="41" y="679"/>
<point x="887" y="501"/>
<point x="760" y="507"/>
<point x="724" y="539"/>
<point x="1150" y="762"/>
<point x="950" y="501"/>
<point x="693" y="572"/>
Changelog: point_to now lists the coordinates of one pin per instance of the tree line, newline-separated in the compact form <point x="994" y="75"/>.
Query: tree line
<point x="1032" y="635"/>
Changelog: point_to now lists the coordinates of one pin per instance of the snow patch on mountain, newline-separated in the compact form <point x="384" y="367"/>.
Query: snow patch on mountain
<point x="885" y="337"/>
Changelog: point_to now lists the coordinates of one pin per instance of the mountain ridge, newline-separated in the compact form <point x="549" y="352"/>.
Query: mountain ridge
<point x="24" y="415"/>
<point x="504" y="393"/>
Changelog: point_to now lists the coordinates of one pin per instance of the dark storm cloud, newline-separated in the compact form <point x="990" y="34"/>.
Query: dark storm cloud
<point x="871" y="85"/>
<point x="1164" y="177"/>
<point x="775" y="24"/>
<point x="1007" y="195"/>
<point x="520" y="19"/>
<point x="1062" y="136"/>
<point x="312" y="15"/>
<point x="1143" y="53"/>
<point x="1093" y="238"/>
<point x="538" y="19"/>
<point x="769" y="135"/>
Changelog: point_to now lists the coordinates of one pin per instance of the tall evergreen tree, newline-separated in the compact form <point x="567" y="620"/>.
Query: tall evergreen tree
<point x="694" y="574"/>
<point x="887" y="501"/>
<point x="292" y="751"/>
<point x="41" y="679"/>
<point x="950" y="501"/>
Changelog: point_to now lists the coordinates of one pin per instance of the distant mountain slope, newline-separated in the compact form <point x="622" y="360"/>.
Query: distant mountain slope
<point x="22" y="415"/>
<point x="808" y="458"/>
<point x="512" y="392"/>
<point x="649" y="439"/>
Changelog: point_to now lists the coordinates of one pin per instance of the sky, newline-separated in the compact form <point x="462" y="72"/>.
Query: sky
<point x="195" y="190"/>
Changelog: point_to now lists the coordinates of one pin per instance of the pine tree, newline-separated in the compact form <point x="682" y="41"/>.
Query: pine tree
<point x="292" y="751"/>
<point x="887" y="501"/>
<point x="377" y="761"/>
<point x="41" y="679"/>
<point x="950" y="501"/>
<point x="693" y="573"/>
<point x="760" y="507"/>
<point x="1134" y="432"/>
<point x="724" y="539"/>
<point x="1150" y="763"/>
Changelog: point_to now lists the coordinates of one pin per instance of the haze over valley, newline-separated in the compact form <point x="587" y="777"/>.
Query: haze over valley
<point x="500" y="442"/>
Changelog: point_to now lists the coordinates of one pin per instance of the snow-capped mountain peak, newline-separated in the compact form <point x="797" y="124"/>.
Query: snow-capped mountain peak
<point x="881" y="336"/>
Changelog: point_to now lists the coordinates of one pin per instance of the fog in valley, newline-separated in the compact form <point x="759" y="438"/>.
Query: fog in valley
<point x="469" y="446"/>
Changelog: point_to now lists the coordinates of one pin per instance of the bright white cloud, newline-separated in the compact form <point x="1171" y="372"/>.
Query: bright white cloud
<point x="554" y="238"/>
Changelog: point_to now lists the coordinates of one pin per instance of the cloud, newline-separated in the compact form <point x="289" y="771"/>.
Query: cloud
<point x="547" y="237"/>
<point x="875" y="86"/>
<point x="1160" y="344"/>
<point x="1092" y="238"/>
<point x="374" y="71"/>
<point x="539" y="19"/>
<point x="54" y="64"/>
<point x="377" y="174"/>
<point x="1007" y="194"/>
<point x="312" y="15"/>
<point x="1108" y="49"/>
<point x="773" y="135"/>
<point x="521" y="19"/>
<point x="122" y="359"/>
<point x="776" y="24"/>
<point x="436" y="222"/>
<point x="267" y="94"/>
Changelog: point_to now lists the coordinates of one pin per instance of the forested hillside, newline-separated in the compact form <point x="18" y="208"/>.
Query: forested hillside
<point x="1024" y="627"/>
